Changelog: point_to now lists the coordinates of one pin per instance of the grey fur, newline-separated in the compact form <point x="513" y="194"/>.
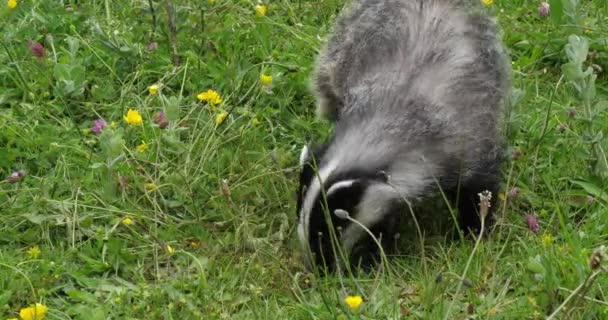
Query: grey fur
<point x="416" y="88"/>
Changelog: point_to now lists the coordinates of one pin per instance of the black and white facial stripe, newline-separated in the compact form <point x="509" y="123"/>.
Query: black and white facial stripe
<point x="359" y="194"/>
<point x="416" y="90"/>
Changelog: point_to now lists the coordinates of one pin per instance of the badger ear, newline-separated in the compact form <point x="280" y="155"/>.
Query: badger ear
<point x="304" y="155"/>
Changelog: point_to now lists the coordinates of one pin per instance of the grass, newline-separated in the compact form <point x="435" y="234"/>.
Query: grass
<point x="201" y="224"/>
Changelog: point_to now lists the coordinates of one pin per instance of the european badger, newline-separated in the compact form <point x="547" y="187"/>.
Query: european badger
<point x="415" y="88"/>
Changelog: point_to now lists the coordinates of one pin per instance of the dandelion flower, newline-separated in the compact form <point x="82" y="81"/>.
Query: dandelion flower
<point x="127" y="221"/>
<point x="221" y="117"/>
<point x="210" y="96"/>
<point x="266" y="80"/>
<point x="153" y="89"/>
<point x="487" y="2"/>
<point x="12" y="4"/>
<point x="354" y="302"/>
<point x="133" y="118"/>
<point x="33" y="252"/>
<point x="98" y="126"/>
<point x="143" y="147"/>
<point x="260" y="10"/>
<point x="36" y="312"/>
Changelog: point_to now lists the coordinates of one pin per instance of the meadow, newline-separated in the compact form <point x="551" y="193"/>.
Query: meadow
<point x="148" y="169"/>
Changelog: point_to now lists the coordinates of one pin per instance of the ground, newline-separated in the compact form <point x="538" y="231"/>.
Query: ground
<point x="184" y="207"/>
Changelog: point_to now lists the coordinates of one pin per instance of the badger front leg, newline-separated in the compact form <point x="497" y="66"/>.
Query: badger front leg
<point x="469" y="218"/>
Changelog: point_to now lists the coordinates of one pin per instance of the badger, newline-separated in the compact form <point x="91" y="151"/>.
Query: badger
<point x="415" y="91"/>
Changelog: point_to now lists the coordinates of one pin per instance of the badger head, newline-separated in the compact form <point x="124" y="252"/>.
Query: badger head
<point x="334" y="205"/>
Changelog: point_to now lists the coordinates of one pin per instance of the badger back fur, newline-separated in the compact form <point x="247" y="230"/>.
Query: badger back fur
<point x="415" y="88"/>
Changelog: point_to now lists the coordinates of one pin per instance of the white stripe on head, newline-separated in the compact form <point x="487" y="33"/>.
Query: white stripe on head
<point x="371" y="210"/>
<point x="304" y="155"/>
<point x="313" y="191"/>
<point x="340" y="185"/>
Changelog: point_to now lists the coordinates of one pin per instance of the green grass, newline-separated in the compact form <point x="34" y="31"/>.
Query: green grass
<point x="213" y="207"/>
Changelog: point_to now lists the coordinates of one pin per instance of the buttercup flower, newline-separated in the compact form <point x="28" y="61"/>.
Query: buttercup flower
<point x="170" y="249"/>
<point x="33" y="252"/>
<point x="143" y="147"/>
<point x="221" y="117"/>
<point x="98" y="126"/>
<point x="36" y="48"/>
<point x="133" y="118"/>
<point x="260" y="10"/>
<point x="354" y="302"/>
<point x="12" y="4"/>
<point x="150" y="186"/>
<point x="532" y="223"/>
<point x="153" y="89"/>
<point x="127" y="221"/>
<point x="210" y="96"/>
<point x="36" y="312"/>
<point x="543" y="9"/>
<point x="487" y="2"/>
<point x="266" y="80"/>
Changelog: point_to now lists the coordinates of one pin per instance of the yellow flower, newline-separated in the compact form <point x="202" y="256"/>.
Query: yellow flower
<point x="127" y="221"/>
<point x="150" y="186"/>
<point x="210" y="96"/>
<point x="211" y="1"/>
<point x="36" y="312"/>
<point x="133" y="118"/>
<point x="220" y="118"/>
<point x="12" y="319"/>
<point x="153" y="89"/>
<point x="260" y="10"/>
<point x="142" y="147"/>
<point x="546" y="239"/>
<point x="33" y="252"/>
<point x="12" y="4"/>
<point x="487" y="2"/>
<point x="266" y="80"/>
<point x="170" y="249"/>
<point x="354" y="302"/>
